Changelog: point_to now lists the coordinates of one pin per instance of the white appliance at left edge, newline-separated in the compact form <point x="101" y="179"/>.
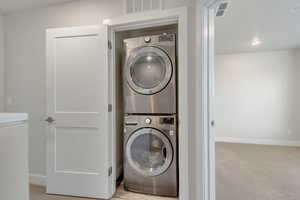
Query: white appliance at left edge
<point x="14" y="183"/>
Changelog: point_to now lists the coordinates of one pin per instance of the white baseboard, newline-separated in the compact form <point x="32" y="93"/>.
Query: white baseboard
<point x="290" y="143"/>
<point x="37" y="179"/>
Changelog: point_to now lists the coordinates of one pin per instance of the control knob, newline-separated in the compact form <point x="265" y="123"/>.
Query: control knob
<point x="148" y="121"/>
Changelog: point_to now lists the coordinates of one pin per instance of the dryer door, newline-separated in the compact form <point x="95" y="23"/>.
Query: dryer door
<point x="148" y="70"/>
<point x="149" y="152"/>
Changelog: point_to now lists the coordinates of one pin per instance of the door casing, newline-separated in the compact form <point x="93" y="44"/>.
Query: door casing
<point x="206" y="53"/>
<point x="177" y="16"/>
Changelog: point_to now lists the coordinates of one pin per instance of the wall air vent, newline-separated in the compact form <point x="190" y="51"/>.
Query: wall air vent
<point x="136" y="6"/>
<point x="222" y="8"/>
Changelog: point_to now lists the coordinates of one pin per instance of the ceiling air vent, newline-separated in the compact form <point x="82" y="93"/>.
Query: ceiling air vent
<point x="136" y="6"/>
<point x="221" y="9"/>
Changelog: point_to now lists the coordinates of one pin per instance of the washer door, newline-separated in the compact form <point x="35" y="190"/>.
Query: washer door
<point x="149" y="152"/>
<point x="148" y="70"/>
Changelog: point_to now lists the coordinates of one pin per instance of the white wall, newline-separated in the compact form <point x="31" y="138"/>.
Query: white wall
<point x="1" y="65"/>
<point x="25" y="59"/>
<point x="257" y="95"/>
<point x="193" y="155"/>
<point x="296" y="97"/>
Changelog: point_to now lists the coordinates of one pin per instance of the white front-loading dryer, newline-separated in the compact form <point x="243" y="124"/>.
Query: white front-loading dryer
<point x="150" y="74"/>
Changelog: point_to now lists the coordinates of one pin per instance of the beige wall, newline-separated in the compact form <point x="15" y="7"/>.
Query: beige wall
<point x="25" y="61"/>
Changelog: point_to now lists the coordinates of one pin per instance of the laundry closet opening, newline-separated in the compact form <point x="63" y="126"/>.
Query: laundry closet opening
<point x="146" y="110"/>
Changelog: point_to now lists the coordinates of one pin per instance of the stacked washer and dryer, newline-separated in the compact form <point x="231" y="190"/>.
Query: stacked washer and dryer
<point x="150" y="124"/>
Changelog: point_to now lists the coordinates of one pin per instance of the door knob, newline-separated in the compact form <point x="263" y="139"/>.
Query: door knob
<point x="50" y="120"/>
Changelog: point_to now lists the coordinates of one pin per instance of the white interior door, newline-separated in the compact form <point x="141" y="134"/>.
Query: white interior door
<point x="79" y="156"/>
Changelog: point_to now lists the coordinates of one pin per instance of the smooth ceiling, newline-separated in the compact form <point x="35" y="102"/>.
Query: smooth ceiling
<point x="275" y="22"/>
<point x="7" y="6"/>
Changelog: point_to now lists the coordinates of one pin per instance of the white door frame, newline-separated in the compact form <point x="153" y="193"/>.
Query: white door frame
<point x="151" y="19"/>
<point x="206" y="17"/>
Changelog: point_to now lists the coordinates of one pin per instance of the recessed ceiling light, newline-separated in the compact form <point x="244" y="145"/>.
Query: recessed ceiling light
<point x="256" y="42"/>
<point x="106" y="21"/>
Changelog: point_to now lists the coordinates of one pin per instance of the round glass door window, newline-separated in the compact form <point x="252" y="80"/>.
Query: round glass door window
<point x="149" y="152"/>
<point x="149" y="70"/>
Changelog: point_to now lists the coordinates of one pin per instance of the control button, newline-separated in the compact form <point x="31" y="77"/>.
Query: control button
<point x="131" y="123"/>
<point x="147" y="39"/>
<point x="171" y="133"/>
<point x="148" y="121"/>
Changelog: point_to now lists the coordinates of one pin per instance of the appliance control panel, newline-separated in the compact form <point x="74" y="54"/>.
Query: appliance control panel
<point x="139" y="121"/>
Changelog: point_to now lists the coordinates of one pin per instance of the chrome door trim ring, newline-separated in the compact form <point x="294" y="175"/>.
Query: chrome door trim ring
<point x="134" y="56"/>
<point x="166" y="141"/>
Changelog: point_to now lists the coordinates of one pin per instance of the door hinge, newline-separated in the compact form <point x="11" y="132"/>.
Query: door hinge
<point x="109" y="107"/>
<point x="213" y="123"/>
<point x="109" y="44"/>
<point x="109" y="171"/>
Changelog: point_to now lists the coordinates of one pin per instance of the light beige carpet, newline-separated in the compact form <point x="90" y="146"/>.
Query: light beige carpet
<point x="257" y="172"/>
<point x="38" y="193"/>
<point x="244" y="172"/>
